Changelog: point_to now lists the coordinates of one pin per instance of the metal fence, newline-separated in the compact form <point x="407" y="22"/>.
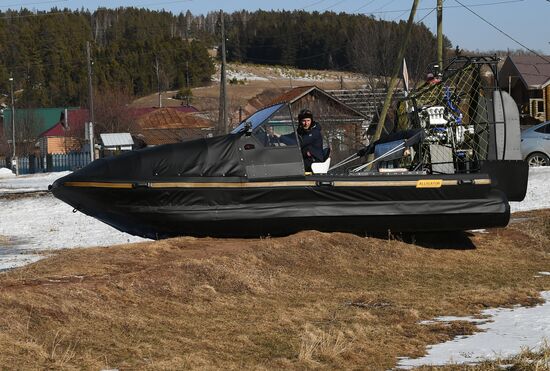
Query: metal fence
<point x="52" y="162"/>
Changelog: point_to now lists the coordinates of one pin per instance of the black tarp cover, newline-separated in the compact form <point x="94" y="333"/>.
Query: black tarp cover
<point x="207" y="157"/>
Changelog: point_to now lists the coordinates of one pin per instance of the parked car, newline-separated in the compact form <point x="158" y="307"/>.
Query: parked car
<point x="535" y="145"/>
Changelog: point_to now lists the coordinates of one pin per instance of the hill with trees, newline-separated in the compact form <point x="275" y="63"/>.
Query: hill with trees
<point x="137" y="51"/>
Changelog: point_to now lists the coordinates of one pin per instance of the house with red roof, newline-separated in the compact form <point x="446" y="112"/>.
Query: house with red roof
<point x="156" y="126"/>
<point x="169" y="125"/>
<point x="67" y="135"/>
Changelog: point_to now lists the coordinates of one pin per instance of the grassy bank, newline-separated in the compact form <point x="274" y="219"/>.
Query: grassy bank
<point x="308" y="300"/>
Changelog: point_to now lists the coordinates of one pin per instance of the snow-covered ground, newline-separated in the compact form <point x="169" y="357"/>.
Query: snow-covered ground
<point x="245" y="72"/>
<point x="538" y="191"/>
<point x="507" y="331"/>
<point x="31" y="226"/>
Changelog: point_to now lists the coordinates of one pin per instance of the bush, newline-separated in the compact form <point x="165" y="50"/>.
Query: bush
<point x="184" y="94"/>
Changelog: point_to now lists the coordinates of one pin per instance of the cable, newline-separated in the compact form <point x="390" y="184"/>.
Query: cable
<point x="313" y="4"/>
<point x="504" y="33"/>
<point x="333" y="5"/>
<point x="447" y="7"/>
<point x="382" y="7"/>
<point x="36" y="3"/>
<point x="363" y="6"/>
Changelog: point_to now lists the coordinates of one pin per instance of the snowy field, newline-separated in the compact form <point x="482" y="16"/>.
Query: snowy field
<point x="31" y="226"/>
<point x="242" y="72"/>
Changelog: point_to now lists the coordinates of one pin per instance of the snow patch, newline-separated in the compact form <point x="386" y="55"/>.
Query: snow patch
<point x="33" y="226"/>
<point x="6" y="173"/>
<point x="481" y="231"/>
<point x="29" y="183"/>
<point x="508" y="331"/>
<point x="538" y="191"/>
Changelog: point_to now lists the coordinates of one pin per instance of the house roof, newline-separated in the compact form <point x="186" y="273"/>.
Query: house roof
<point x="293" y="95"/>
<point x="532" y="69"/>
<point x="76" y="120"/>
<point x="167" y="125"/>
<point x="42" y="119"/>
<point x="168" y="118"/>
<point x="141" y="111"/>
<point x="171" y="135"/>
<point x="298" y="93"/>
<point x="116" y="139"/>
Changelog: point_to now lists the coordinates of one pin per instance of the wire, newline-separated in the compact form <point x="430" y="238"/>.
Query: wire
<point x="333" y="5"/>
<point x="447" y="7"/>
<point x="504" y="33"/>
<point x="36" y="3"/>
<point x="363" y="6"/>
<point x="382" y="7"/>
<point x="313" y="4"/>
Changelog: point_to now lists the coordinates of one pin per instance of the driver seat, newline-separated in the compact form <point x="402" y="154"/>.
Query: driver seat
<point x="322" y="167"/>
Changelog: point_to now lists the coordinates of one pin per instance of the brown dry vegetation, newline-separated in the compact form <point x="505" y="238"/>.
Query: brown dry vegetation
<point x="207" y="98"/>
<point x="310" y="300"/>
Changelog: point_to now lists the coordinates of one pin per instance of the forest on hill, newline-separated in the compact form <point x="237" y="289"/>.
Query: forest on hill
<point x="137" y="51"/>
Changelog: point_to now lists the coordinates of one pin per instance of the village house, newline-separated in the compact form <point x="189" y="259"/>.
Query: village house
<point x="527" y="79"/>
<point x="171" y="125"/>
<point x="343" y="127"/>
<point x="65" y="136"/>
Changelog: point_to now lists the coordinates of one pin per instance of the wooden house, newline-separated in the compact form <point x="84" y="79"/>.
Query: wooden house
<point x="66" y="135"/>
<point x="527" y="79"/>
<point x="343" y="127"/>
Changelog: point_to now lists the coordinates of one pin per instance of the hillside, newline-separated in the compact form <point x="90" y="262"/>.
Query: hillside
<point x="310" y="300"/>
<point x="245" y="81"/>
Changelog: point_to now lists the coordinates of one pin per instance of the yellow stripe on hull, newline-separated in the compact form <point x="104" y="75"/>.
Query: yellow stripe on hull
<point x="422" y="183"/>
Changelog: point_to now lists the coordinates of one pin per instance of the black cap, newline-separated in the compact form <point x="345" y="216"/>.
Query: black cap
<point x="305" y="114"/>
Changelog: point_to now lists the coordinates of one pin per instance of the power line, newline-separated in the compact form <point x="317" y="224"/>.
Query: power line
<point x="363" y="6"/>
<point x="312" y="4"/>
<point x="447" y="7"/>
<point x="36" y="3"/>
<point x="504" y="33"/>
<point x="333" y="5"/>
<point x="382" y="7"/>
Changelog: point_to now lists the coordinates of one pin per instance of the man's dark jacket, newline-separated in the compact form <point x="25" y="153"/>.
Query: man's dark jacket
<point x="311" y="141"/>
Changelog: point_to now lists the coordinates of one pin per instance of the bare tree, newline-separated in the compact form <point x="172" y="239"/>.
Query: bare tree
<point x="112" y="114"/>
<point x="28" y="126"/>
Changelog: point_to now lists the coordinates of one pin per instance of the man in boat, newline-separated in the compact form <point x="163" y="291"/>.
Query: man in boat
<point x="309" y="135"/>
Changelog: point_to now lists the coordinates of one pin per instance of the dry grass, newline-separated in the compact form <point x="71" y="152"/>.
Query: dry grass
<point x="207" y="98"/>
<point x="527" y="360"/>
<point x="310" y="300"/>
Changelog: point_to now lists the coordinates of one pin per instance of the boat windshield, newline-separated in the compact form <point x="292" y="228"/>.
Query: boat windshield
<point x="257" y="118"/>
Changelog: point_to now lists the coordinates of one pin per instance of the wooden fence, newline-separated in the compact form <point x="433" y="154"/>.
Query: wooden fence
<point x="48" y="163"/>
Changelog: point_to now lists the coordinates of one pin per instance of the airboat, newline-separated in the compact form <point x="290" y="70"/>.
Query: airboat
<point x="454" y="163"/>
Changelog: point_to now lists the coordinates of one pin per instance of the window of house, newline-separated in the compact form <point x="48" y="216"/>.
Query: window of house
<point x="540" y="106"/>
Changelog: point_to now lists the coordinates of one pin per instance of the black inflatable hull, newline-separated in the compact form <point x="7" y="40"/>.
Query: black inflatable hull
<point x="239" y="208"/>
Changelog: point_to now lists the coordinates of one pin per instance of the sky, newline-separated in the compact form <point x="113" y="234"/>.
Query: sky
<point x="524" y="21"/>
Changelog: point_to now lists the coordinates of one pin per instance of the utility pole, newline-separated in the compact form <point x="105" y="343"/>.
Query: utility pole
<point x="14" y="157"/>
<point x="222" y="119"/>
<point x="187" y="74"/>
<point x="157" y="70"/>
<point x="440" y="35"/>
<point x="397" y="67"/>
<point x="188" y="90"/>
<point x="90" y="101"/>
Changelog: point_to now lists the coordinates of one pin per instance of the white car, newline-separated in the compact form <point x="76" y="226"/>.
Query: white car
<point x="535" y="145"/>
